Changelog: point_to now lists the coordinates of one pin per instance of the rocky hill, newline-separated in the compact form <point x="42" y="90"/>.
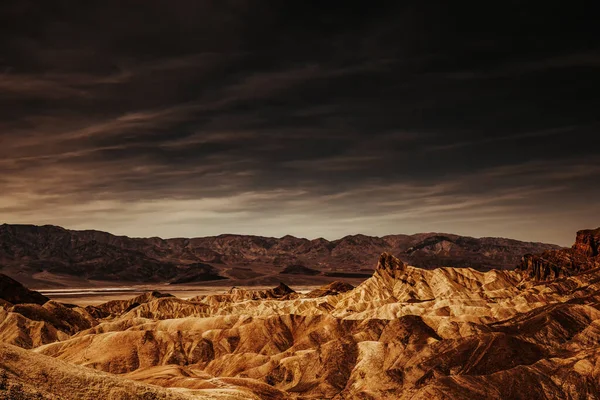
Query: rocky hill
<point x="13" y="292"/>
<point x="551" y="264"/>
<point x="404" y="333"/>
<point x="47" y="255"/>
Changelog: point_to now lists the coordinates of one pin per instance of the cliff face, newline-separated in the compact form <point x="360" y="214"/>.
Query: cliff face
<point x="588" y="242"/>
<point x="584" y="255"/>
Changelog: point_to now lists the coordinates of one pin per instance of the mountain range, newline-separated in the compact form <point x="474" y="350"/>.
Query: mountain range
<point x="51" y="255"/>
<point x="404" y="333"/>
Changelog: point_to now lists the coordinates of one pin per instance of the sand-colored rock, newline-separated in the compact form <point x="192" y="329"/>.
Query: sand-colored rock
<point x="331" y="289"/>
<point x="28" y="375"/>
<point x="404" y="333"/>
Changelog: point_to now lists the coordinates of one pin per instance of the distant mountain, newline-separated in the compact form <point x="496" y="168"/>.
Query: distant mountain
<point x="40" y="254"/>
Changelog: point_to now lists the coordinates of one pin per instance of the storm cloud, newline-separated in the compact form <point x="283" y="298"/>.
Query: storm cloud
<point x="317" y="119"/>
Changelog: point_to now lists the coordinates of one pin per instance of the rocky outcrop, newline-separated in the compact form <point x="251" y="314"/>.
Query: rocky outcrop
<point x="405" y="333"/>
<point x="238" y="295"/>
<point x="554" y="264"/>
<point x="69" y="320"/>
<point x="15" y="293"/>
<point x="25" y="375"/>
<point x="331" y="289"/>
<point x="280" y="291"/>
<point x="32" y="325"/>
<point x="118" y="307"/>
<point x="388" y="262"/>
<point x="588" y="242"/>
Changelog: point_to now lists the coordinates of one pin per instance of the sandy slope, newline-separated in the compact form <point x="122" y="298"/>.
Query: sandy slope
<point x="404" y="333"/>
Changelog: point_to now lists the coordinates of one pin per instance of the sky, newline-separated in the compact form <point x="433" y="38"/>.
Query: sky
<point x="309" y="118"/>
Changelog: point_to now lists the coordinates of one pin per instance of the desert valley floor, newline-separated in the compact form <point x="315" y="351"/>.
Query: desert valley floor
<point x="99" y="295"/>
<point x="403" y="333"/>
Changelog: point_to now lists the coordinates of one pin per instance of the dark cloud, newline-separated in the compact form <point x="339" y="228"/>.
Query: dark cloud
<point x="310" y="118"/>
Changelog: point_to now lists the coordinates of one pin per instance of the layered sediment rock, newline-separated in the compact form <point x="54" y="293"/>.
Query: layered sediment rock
<point x="553" y="264"/>
<point x="404" y="333"/>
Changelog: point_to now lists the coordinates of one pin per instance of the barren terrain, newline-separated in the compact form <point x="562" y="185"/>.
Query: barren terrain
<point x="48" y="257"/>
<point x="403" y="333"/>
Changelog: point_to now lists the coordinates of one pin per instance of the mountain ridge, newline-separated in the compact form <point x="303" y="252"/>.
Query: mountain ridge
<point x="404" y="333"/>
<point x="286" y="236"/>
<point x="43" y="255"/>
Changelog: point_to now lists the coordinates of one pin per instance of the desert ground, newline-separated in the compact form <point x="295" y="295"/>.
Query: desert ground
<point x="403" y="333"/>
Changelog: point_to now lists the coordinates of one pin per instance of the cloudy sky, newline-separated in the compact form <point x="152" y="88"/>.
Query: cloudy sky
<point x="311" y="118"/>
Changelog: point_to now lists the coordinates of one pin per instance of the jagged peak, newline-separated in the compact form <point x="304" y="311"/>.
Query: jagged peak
<point x="283" y="289"/>
<point x="232" y="289"/>
<point x="389" y="262"/>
